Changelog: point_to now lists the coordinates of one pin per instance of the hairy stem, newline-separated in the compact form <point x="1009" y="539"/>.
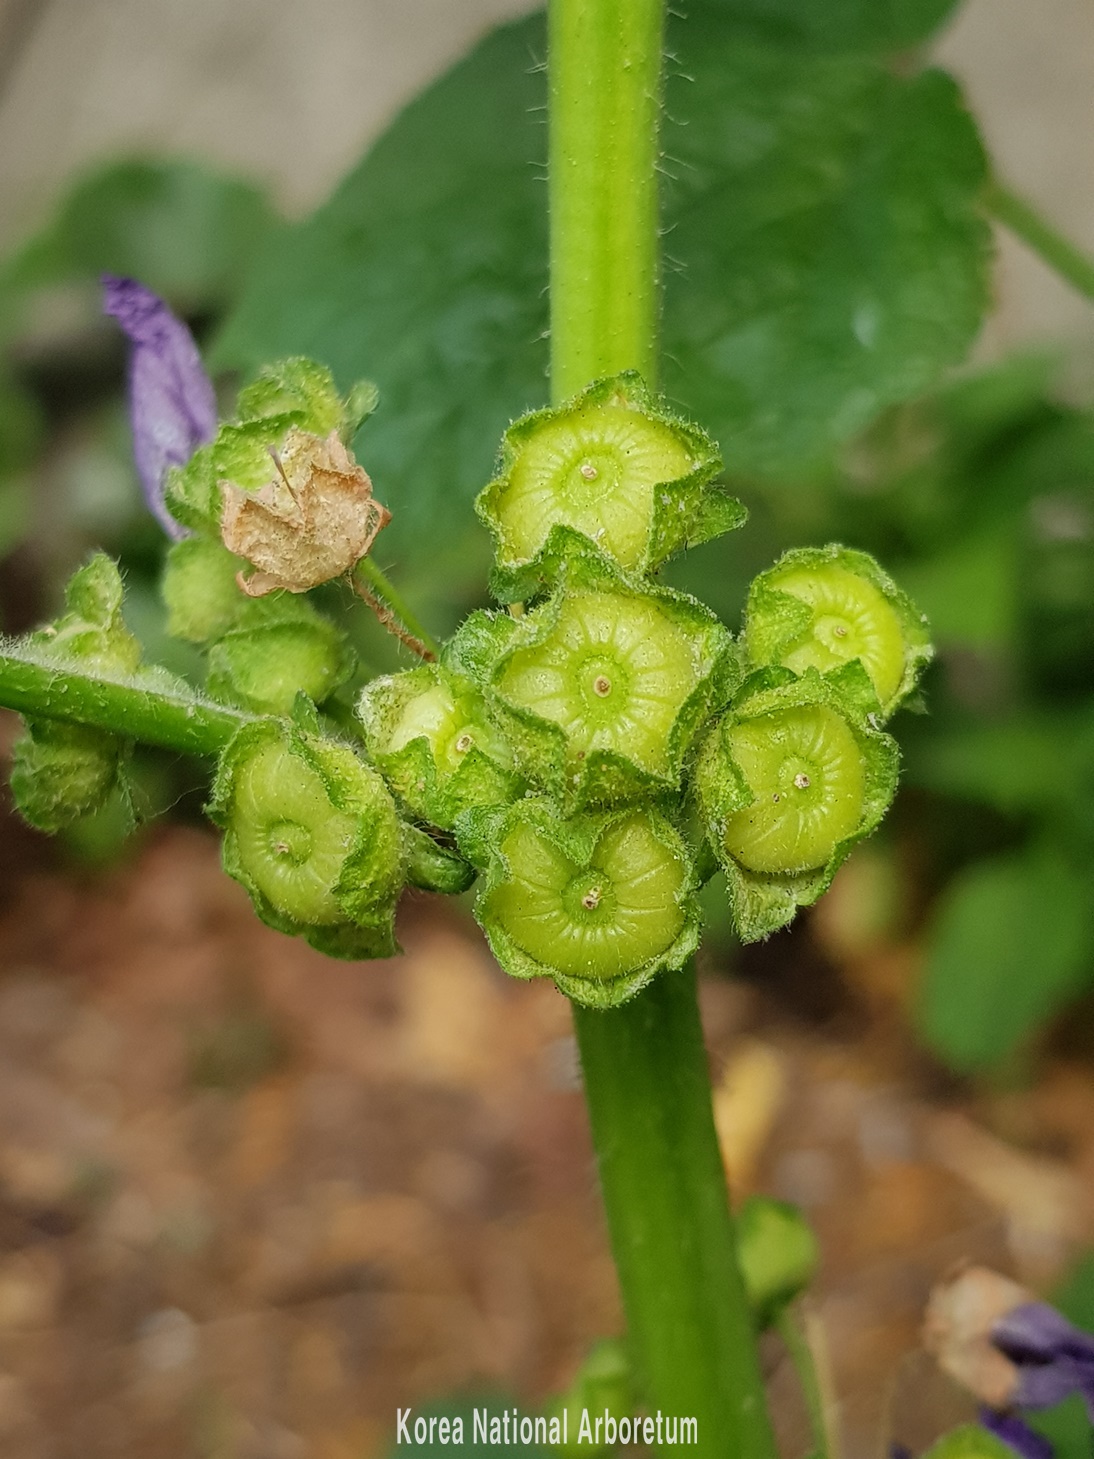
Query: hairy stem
<point x="1071" y="263"/>
<point x="605" y="70"/>
<point x="691" y="1334"/>
<point x="645" y="1069"/>
<point x="158" y="714"/>
<point x="373" y="588"/>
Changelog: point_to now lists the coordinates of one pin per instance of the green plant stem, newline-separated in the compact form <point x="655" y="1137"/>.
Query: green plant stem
<point x="1026" y="223"/>
<point x="377" y="588"/>
<point x="690" y="1330"/>
<point x="646" y="1079"/>
<point x="801" y="1355"/>
<point x="605" y="69"/>
<point x="173" y="719"/>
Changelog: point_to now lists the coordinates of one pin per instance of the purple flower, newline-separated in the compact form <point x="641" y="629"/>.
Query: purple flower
<point x="1054" y="1359"/>
<point x="172" y="407"/>
<point x="1016" y="1433"/>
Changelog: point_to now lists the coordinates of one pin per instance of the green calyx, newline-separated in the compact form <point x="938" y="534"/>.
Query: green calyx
<point x="262" y="652"/>
<point x="612" y="473"/>
<point x="64" y="772"/>
<point x="291" y="394"/>
<point x="834" y="610"/>
<point x="602" y="689"/>
<point x="600" y="903"/>
<point x="787" y="781"/>
<point x="429" y="732"/>
<point x="313" y="835"/>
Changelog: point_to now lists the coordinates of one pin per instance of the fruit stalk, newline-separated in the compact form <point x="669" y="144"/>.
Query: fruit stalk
<point x="644" y="1065"/>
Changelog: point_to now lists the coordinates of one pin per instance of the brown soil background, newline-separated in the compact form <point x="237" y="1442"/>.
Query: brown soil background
<point x="251" y="1200"/>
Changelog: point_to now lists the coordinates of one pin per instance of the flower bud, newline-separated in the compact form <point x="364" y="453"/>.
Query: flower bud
<point x="777" y="1254"/>
<point x="271" y="657"/>
<point x="600" y="903"/>
<point x="611" y="472"/>
<point x="295" y="391"/>
<point x="428" y="731"/>
<point x="313" y="835"/>
<point x="602" y="689"/>
<point x="302" y="516"/>
<point x="836" y="611"/>
<point x="62" y="772"/>
<point x="787" y="782"/>
<point x="200" y="590"/>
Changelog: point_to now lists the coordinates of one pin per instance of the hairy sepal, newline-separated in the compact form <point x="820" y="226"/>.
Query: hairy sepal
<point x="630" y="862"/>
<point x="313" y="835"/>
<point x="762" y="901"/>
<point x="797" y="608"/>
<point x="648" y="495"/>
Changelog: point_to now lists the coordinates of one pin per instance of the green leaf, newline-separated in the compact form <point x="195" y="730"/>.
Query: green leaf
<point x="831" y="257"/>
<point x="426" y="272"/>
<point x="833" y="261"/>
<point x="183" y="230"/>
<point x="1008" y="947"/>
<point x="833" y="25"/>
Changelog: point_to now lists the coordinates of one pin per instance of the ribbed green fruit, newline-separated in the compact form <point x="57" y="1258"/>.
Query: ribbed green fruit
<point x="603" y="688"/>
<point x="787" y="781"/>
<point x="612" y="472"/>
<point x="834" y="610"/>
<point x="313" y="835"/>
<point x="600" y="902"/>
<point x="429" y="732"/>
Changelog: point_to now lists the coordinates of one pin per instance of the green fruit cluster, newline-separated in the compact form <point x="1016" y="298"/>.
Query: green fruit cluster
<point x="595" y="743"/>
<point x="590" y="750"/>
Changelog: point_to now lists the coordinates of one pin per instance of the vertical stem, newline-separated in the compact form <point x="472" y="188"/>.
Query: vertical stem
<point x="605" y="69"/>
<point x="645" y="1069"/>
<point x="691" y="1333"/>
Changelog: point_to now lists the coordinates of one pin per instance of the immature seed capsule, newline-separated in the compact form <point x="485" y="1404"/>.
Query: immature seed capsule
<point x="613" y="471"/>
<point x="313" y="835"/>
<point x="807" y="774"/>
<point x="603" y="688"/>
<point x="265" y="666"/>
<point x="599" y="903"/>
<point x="62" y="772"/>
<point x="827" y="608"/>
<point x="787" y="781"/>
<point x="429" y="733"/>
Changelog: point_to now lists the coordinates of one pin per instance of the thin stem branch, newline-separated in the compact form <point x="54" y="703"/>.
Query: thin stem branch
<point x="372" y="586"/>
<point x="1023" y="220"/>
<point x="158" y="714"/>
<point x="800" y="1345"/>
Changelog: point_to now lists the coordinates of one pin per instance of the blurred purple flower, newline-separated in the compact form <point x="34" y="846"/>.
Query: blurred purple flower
<point x="172" y="407"/>
<point x="1016" y="1433"/>
<point x="1054" y="1359"/>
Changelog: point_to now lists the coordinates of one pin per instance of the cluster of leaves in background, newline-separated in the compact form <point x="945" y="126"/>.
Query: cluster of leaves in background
<point x="827" y="263"/>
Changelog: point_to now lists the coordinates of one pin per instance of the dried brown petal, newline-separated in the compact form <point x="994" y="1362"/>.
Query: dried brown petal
<point x="957" y="1329"/>
<point x="311" y="521"/>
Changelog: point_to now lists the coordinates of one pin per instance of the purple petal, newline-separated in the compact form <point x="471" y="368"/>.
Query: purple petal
<point x="1054" y="1358"/>
<point x="1016" y="1433"/>
<point x="172" y="407"/>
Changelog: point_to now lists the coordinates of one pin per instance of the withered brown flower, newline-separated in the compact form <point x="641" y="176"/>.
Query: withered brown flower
<point x="312" y="521"/>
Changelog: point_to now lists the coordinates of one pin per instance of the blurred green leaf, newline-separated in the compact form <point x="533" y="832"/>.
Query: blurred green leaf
<point x="1027" y="763"/>
<point x="1010" y="943"/>
<point x="834" y="25"/>
<point x="182" y="229"/>
<point x="833" y="262"/>
<point x="969" y="591"/>
<point x="830" y="256"/>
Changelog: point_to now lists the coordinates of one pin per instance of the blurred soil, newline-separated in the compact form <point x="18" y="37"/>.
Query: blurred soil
<point x="251" y="1199"/>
